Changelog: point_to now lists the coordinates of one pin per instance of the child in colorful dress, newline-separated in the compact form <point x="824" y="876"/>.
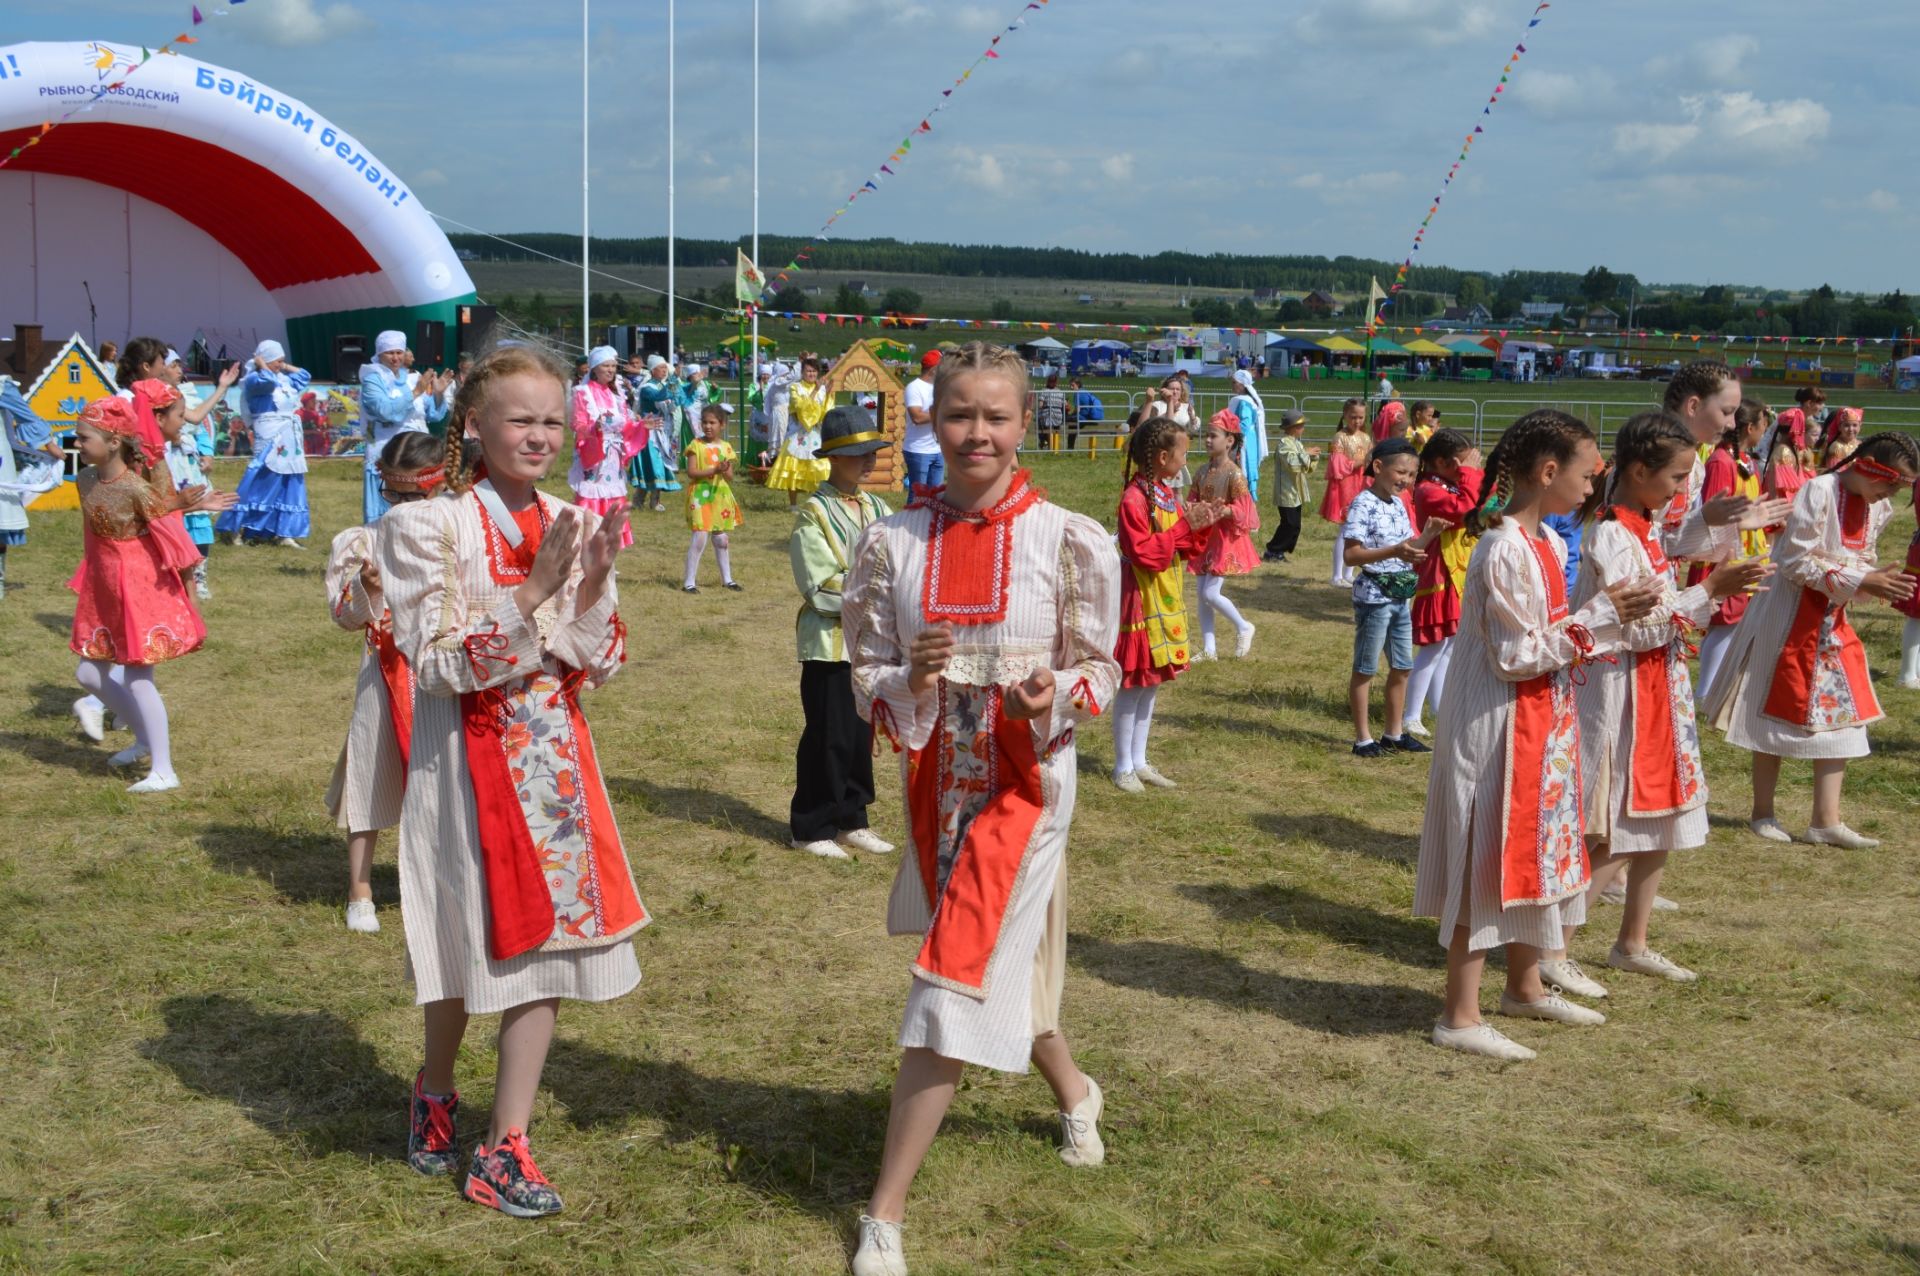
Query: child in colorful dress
<point x="1447" y="491"/>
<point x="1502" y="854"/>
<point x="1346" y="475"/>
<point x="606" y="436"/>
<point x="1379" y="541"/>
<point x="514" y="886"/>
<point x="712" y="511"/>
<point x="1156" y="533"/>
<point x="370" y="777"/>
<point x="1645" y="791"/>
<point x="1794" y="683"/>
<point x="30" y="463"/>
<point x="833" y="768"/>
<point x="1731" y="470"/>
<point x="797" y="472"/>
<point x="1840" y="435"/>
<point x="1226" y="547"/>
<point x="980" y="622"/>
<point x="272" y="499"/>
<point x="1784" y="454"/>
<point x="133" y="612"/>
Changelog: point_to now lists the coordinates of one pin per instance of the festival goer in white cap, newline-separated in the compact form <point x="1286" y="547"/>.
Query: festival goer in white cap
<point x="659" y="404"/>
<point x="1246" y="405"/>
<point x="272" y="503"/>
<point x="392" y="401"/>
<point x="606" y="434"/>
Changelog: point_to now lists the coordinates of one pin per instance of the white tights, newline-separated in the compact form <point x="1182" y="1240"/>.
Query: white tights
<point x="1713" y="653"/>
<point x="698" y="546"/>
<point x="129" y="690"/>
<point x="1132" y="718"/>
<point x="1910" y="652"/>
<point x="1342" y="574"/>
<point x="1428" y="681"/>
<point x="1213" y="598"/>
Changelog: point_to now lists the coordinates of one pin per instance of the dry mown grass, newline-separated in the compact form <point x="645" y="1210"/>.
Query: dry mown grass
<point x="206" y="1070"/>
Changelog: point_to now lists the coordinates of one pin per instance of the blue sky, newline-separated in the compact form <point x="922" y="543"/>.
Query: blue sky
<point x="1705" y="141"/>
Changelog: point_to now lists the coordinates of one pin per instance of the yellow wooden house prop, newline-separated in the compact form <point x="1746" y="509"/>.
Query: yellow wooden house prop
<point x="860" y="371"/>
<point x="74" y="378"/>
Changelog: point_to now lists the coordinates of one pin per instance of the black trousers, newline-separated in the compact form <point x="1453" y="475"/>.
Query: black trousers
<point x="833" y="767"/>
<point x="1287" y="534"/>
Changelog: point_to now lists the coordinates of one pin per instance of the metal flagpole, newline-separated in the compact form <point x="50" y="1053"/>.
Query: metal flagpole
<point x="672" y="344"/>
<point x="586" y="152"/>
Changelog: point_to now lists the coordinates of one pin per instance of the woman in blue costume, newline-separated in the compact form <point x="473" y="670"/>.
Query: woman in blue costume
<point x="272" y="503"/>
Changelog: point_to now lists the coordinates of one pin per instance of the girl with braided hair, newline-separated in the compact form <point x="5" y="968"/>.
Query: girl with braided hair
<point x="1502" y="853"/>
<point x="1644" y="789"/>
<point x="1795" y="681"/>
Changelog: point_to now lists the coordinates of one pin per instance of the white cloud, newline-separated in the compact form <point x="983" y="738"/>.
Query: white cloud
<point x="1429" y="22"/>
<point x="1558" y="94"/>
<point x="428" y="178"/>
<point x="293" y="23"/>
<point x="1349" y="190"/>
<point x="1718" y="128"/>
<point x="1874" y="201"/>
<point x="1118" y="168"/>
<point x="1881" y="201"/>
<point x="1720" y="60"/>
<point x="980" y="169"/>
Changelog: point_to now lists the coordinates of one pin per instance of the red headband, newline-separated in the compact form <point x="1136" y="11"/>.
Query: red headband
<point x="423" y="480"/>
<point x="1875" y="470"/>
<point x="1226" y="419"/>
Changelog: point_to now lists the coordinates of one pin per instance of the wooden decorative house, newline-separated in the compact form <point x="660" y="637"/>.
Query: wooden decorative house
<point x="860" y="371"/>
<point x="73" y="378"/>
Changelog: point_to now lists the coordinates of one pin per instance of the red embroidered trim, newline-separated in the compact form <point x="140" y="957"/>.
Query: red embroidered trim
<point x="969" y="557"/>
<point x="1876" y="471"/>
<point x="504" y="562"/>
<point x="1853" y="518"/>
<point x="1642" y="528"/>
<point x="484" y="649"/>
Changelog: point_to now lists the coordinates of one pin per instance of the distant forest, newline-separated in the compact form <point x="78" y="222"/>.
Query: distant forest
<point x="1685" y="308"/>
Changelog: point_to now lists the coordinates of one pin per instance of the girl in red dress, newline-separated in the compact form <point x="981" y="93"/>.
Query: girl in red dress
<point x="133" y="611"/>
<point x="1346" y="475"/>
<point x="1226" y="547"/>
<point x="1156" y="533"/>
<point x="1448" y="490"/>
<point x="1731" y="471"/>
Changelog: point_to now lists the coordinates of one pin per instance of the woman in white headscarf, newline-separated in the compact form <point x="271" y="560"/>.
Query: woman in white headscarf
<point x="1252" y="412"/>
<point x="605" y="435"/>
<point x="272" y="498"/>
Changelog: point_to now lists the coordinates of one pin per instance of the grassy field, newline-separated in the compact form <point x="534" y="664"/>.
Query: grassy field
<point x="206" y="1070"/>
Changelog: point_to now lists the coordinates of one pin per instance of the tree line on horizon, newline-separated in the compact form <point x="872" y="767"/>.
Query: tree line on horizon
<point x="1720" y="308"/>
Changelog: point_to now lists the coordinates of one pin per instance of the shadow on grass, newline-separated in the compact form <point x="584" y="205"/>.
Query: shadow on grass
<point x="53" y="700"/>
<point x="304" y="1076"/>
<point x="55" y="622"/>
<point x="1329" y="704"/>
<point x="1340" y="833"/>
<point x="306" y="868"/>
<point x="1400" y="938"/>
<point x="699" y="806"/>
<point x="75" y="753"/>
<point x="1277" y="732"/>
<point x="1180" y="970"/>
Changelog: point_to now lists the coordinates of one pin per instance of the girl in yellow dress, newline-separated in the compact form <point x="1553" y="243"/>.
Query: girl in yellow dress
<point x="712" y="511"/>
<point x="798" y="471"/>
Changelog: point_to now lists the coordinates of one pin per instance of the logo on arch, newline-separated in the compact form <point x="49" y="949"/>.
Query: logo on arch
<point x="108" y="63"/>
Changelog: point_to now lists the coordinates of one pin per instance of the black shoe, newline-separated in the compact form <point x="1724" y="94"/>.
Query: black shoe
<point x="1371" y="749"/>
<point x="736" y="586"/>
<point x="1271" y="557"/>
<point x="689" y="589"/>
<point x="1404" y="744"/>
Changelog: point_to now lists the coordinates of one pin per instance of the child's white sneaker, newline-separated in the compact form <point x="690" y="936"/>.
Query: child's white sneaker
<point x="156" y="783"/>
<point x="1482" y="1039"/>
<point x="1648" y="962"/>
<point x="865" y="840"/>
<point x="1128" y="782"/>
<point x="880" y="1253"/>
<point x="1243" y="643"/>
<point x="1413" y="726"/>
<point x="1080" y="1143"/>
<point x="361" y="917"/>
<point x="825" y="848"/>
<point x="1841" y="835"/>
<point x="1148" y="775"/>
<point x="1771" y="829"/>
<point x="92" y="717"/>
<point x="128" y="756"/>
<point x="1203" y="655"/>
<point x="1552" y="1006"/>
<point x="1566" y="975"/>
<point x="1616" y="894"/>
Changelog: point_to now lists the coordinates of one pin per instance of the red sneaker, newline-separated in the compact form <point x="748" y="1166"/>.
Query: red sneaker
<point x="431" y="1142"/>
<point x="505" y="1177"/>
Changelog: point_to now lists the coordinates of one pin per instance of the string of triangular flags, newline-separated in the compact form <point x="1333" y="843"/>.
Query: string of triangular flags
<point x="890" y="166"/>
<point x="105" y="87"/>
<point x="1466" y="144"/>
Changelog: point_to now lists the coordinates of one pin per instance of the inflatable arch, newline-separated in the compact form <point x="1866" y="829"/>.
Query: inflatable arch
<point x="191" y="200"/>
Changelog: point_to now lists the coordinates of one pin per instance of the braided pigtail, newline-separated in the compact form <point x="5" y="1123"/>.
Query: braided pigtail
<point x="470" y="401"/>
<point x="1538" y="437"/>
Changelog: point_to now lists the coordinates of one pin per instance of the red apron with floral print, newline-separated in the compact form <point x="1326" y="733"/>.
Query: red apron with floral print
<point x="1543" y="853"/>
<point x="1820" y="682"/>
<point x="1664" y="748"/>
<point x="556" y="873"/>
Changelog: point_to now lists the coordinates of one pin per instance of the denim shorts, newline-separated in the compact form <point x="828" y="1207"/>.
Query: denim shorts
<point x="1377" y="624"/>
